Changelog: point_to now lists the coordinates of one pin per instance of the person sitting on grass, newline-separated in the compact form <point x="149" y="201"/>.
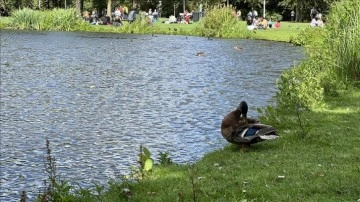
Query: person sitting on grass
<point x="319" y="22"/>
<point x="249" y="23"/>
<point x="270" y="23"/>
<point x="117" y="22"/>
<point x="316" y="22"/>
<point x="263" y="23"/>
<point x="277" y="24"/>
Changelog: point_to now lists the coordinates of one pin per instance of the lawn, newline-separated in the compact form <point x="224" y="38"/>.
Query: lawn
<point x="287" y="30"/>
<point x="284" y="33"/>
<point x="321" y="166"/>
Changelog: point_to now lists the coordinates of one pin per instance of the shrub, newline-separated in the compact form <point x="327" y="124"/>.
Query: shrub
<point x="220" y="22"/>
<point x="274" y="16"/>
<point x="57" y="20"/>
<point x="309" y="36"/>
<point x="333" y="59"/>
<point x="26" y="19"/>
<point x="140" y="25"/>
<point x="5" y="22"/>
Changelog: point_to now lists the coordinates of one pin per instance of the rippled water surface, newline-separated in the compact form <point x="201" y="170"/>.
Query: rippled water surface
<point x="98" y="96"/>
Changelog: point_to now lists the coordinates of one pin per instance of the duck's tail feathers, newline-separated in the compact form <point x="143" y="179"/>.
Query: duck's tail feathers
<point x="268" y="133"/>
<point x="269" y="137"/>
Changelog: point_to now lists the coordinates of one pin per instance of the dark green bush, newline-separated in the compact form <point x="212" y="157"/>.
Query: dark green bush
<point x="333" y="60"/>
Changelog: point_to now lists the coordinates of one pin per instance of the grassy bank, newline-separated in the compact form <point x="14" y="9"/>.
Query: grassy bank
<point x="317" y="160"/>
<point x="323" y="165"/>
<point x="226" y="25"/>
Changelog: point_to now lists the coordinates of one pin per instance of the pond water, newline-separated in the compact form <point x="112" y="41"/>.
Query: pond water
<point x="97" y="97"/>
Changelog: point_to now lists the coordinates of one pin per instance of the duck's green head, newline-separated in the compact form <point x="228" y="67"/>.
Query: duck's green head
<point x="243" y="108"/>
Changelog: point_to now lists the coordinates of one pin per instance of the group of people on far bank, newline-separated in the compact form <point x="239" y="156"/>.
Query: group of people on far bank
<point x="316" y="18"/>
<point x="120" y="13"/>
<point x="253" y="21"/>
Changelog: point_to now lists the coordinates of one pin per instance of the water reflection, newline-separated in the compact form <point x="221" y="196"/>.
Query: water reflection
<point x="98" y="96"/>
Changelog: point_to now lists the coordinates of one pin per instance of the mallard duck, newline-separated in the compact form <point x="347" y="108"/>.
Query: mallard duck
<point x="200" y="54"/>
<point x="238" y="129"/>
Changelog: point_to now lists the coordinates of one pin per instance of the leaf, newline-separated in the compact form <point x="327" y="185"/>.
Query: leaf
<point x="146" y="152"/>
<point x="142" y="158"/>
<point x="148" y="164"/>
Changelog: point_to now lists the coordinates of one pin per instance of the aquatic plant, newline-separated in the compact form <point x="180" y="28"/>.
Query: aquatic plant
<point x="164" y="158"/>
<point x="333" y="61"/>
<point x="26" y="19"/>
<point x="344" y="40"/>
<point x="56" y="20"/>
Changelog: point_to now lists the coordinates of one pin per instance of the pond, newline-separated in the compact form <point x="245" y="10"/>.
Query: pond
<point x="97" y="97"/>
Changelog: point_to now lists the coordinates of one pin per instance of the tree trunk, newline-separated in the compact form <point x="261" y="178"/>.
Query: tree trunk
<point x="78" y="7"/>
<point x="297" y="14"/>
<point x="108" y="9"/>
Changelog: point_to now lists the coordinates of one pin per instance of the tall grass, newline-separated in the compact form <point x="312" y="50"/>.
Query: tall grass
<point x="333" y="59"/>
<point x="220" y="22"/>
<point x="55" y="20"/>
<point x="140" y="25"/>
<point x="26" y="19"/>
<point x="344" y="40"/>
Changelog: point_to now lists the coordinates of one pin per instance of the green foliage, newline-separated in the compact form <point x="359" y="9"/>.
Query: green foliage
<point x="164" y="158"/>
<point x="146" y="164"/>
<point x="274" y="16"/>
<point x="344" y="40"/>
<point x="5" y="22"/>
<point x="333" y="60"/>
<point x="140" y="25"/>
<point x="26" y="19"/>
<point x="310" y="36"/>
<point x="57" y="20"/>
<point x="220" y="22"/>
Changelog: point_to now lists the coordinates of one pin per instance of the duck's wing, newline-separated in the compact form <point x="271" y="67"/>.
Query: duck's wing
<point x="265" y="132"/>
<point x="253" y="133"/>
<point x="239" y="135"/>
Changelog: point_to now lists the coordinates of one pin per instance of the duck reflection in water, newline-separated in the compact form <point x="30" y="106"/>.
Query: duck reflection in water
<point x="238" y="129"/>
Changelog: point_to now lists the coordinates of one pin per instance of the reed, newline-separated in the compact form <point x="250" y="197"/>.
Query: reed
<point x="333" y="62"/>
<point x="344" y="40"/>
<point x="55" y="20"/>
<point x="26" y="19"/>
<point x="140" y="25"/>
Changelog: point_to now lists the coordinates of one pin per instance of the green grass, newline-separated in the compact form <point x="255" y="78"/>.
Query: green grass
<point x="322" y="166"/>
<point x="285" y="33"/>
<point x="287" y="30"/>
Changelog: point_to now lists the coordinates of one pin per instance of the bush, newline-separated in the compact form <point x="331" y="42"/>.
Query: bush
<point x="26" y="19"/>
<point x="57" y="20"/>
<point x="220" y="22"/>
<point x="274" y="16"/>
<point x="333" y="59"/>
<point x="5" y="22"/>
<point x="310" y="36"/>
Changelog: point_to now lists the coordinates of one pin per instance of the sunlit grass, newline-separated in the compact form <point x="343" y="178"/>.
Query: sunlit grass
<point x="321" y="166"/>
<point x="324" y="166"/>
<point x="287" y="30"/>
